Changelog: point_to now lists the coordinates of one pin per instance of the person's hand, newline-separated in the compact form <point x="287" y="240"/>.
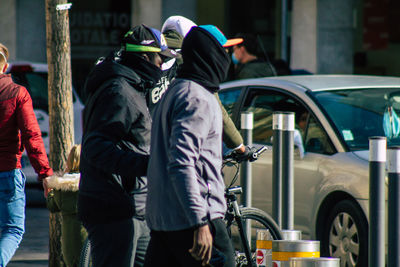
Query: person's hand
<point x="202" y="244"/>
<point x="241" y="149"/>
<point x="46" y="188"/>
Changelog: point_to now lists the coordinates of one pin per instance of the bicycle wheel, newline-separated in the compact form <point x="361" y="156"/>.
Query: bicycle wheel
<point x="85" y="260"/>
<point x="258" y="219"/>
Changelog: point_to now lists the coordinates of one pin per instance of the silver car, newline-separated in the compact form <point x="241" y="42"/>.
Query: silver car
<point x="335" y="116"/>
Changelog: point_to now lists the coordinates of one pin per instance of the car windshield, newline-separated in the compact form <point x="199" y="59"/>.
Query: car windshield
<point x="360" y="114"/>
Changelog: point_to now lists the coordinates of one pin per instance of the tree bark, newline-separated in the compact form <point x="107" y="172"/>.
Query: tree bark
<point x="60" y="107"/>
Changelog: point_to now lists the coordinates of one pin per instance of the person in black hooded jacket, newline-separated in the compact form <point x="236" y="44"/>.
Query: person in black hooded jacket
<point x="115" y="149"/>
<point x="185" y="204"/>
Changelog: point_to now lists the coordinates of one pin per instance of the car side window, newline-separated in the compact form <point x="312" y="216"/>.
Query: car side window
<point x="263" y="103"/>
<point x="316" y="140"/>
<point x="229" y="98"/>
<point x="37" y="86"/>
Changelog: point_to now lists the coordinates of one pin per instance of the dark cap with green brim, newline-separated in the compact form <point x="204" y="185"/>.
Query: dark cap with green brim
<point x="142" y="39"/>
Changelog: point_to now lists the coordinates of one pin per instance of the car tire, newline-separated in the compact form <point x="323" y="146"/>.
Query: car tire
<point x="345" y="234"/>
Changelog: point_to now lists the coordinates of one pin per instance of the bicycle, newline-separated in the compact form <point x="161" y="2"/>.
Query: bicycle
<point x="237" y="216"/>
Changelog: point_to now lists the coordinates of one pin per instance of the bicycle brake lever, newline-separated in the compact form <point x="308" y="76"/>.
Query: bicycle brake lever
<point x="254" y="156"/>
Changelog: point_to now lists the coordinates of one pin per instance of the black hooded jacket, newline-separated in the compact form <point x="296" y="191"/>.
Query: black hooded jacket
<point x="116" y="139"/>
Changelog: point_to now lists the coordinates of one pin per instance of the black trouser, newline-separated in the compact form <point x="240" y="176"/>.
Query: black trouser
<point x="120" y="243"/>
<point x="172" y="248"/>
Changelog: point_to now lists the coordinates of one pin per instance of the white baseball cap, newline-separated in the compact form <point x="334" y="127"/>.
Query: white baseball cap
<point x="178" y="23"/>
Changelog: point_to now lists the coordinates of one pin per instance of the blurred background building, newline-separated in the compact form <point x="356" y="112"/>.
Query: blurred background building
<point x="320" y="36"/>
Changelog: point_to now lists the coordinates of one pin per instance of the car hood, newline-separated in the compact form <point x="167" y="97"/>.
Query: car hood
<point x="363" y="154"/>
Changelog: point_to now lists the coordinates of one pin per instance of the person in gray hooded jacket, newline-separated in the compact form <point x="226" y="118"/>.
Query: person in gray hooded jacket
<point x="185" y="205"/>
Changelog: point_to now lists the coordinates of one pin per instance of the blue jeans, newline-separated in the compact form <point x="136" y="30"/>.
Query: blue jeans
<point x="119" y="243"/>
<point x="12" y="213"/>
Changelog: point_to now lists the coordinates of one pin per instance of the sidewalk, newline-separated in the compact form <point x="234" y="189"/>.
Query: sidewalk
<point x="34" y="248"/>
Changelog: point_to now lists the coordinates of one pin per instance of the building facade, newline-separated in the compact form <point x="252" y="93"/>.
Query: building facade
<point x="321" y="36"/>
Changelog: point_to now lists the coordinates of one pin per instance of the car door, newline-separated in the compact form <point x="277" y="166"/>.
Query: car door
<point x="263" y="102"/>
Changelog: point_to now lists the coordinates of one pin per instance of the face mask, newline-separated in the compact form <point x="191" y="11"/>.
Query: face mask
<point x="391" y="123"/>
<point x="234" y="59"/>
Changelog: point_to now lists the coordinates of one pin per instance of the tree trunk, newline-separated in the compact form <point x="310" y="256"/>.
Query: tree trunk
<point x="60" y="107"/>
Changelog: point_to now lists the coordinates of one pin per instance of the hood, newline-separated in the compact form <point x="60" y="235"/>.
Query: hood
<point x="179" y="24"/>
<point x="5" y="80"/>
<point x="205" y="61"/>
<point x="362" y="154"/>
<point x="140" y="74"/>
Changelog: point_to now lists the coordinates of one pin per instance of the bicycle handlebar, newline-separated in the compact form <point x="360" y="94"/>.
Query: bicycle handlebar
<point x="251" y="154"/>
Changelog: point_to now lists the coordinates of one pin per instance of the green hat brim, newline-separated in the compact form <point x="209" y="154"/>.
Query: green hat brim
<point x="141" y="48"/>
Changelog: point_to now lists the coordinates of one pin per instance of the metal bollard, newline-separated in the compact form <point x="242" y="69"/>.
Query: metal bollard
<point x="283" y="250"/>
<point x="277" y="167"/>
<point x="246" y="183"/>
<point x="394" y="206"/>
<point x="246" y="180"/>
<point x="264" y="248"/>
<point x="377" y="159"/>
<point x="287" y="170"/>
<point x="314" y="262"/>
<point x="291" y="234"/>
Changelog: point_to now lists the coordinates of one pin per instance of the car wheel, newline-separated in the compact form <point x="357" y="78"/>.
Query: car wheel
<point x="345" y="234"/>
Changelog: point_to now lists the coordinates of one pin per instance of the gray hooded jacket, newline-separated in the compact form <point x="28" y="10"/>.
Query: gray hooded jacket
<point x="185" y="185"/>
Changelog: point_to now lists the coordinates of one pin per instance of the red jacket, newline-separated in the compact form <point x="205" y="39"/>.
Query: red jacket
<point x="19" y="128"/>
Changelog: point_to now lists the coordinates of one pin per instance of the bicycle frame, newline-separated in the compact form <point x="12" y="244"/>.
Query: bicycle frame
<point x="234" y="211"/>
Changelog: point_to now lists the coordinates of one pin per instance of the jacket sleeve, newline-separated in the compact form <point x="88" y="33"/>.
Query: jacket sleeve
<point x="110" y="121"/>
<point x="230" y="135"/>
<point x="31" y="135"/>
<point x="190" y="125"/>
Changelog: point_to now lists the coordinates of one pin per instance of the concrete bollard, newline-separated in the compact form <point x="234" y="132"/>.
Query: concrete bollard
<point x="314" y="262"/>
<point x="283" y="250"/>
<point x="291" y="234"/>
<point x="264" y="248"/>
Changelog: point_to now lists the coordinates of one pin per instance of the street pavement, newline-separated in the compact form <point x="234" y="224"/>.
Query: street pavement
<point x="34" y="249"/>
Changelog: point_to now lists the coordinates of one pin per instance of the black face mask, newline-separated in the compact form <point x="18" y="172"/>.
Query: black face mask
<point x="204" y="59"/>
<point x="148" y="72"/>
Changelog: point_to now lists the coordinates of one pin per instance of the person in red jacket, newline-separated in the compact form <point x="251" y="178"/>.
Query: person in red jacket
<point x="19" y="129"/>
